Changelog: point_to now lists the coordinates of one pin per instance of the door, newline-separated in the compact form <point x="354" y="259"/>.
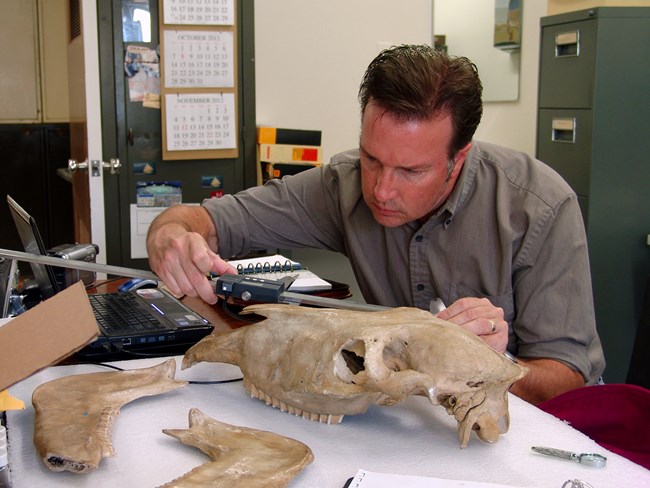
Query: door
<point x="131" y="126"/>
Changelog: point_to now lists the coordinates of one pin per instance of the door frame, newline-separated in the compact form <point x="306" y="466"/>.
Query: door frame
<point x="109" y="121"/>
<point x="94" y="124"/>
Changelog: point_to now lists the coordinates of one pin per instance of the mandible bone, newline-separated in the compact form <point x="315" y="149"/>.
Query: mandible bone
<point x="74" y="414"/>
<point x="241" y="457"/>
<point x="323" y="364"/>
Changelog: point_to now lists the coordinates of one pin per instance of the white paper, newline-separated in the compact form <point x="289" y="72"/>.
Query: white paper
<point x="200" y="121"/>
<point x="201" y="12"/>
<point x="369" y="479"/>
<point x="304" y="280"/>
<point x="199" y="59"/>
<point x="261" y="261"/>
<point x="141" y="218"/>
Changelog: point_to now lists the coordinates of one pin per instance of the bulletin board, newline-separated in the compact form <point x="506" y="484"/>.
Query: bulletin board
<point x="198" y="79"/>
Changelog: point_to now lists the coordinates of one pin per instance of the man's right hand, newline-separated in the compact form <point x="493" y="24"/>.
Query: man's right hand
<point x="180" y="253"/>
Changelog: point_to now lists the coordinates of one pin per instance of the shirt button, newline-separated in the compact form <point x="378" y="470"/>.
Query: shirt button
<point x="420" y="287"/>
<point x="419" y="238"/>
<point x="448" y="221"/>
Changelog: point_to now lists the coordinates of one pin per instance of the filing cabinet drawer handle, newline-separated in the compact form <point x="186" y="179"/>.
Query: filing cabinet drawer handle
<point x="563" y="130"/>
<point x="567" y="44"/>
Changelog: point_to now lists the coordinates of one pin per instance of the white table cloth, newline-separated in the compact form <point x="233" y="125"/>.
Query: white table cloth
<point x="413" y="437"/>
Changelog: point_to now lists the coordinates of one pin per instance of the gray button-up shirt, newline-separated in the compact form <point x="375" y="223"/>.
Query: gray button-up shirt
<point x="511" y="231"/>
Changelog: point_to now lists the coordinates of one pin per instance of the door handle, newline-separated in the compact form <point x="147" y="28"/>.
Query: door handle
<point x="113" y="165"/>
<point x="73" y="165"/>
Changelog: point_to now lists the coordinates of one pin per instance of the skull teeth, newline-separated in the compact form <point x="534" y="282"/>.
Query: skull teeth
<point x="323" y="418"/>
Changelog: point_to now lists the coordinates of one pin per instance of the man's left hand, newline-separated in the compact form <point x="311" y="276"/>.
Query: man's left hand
<point x="479" y="316"/>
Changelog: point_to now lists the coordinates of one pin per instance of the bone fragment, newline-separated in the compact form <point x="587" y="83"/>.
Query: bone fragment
<point x="241" y="457"/>
<point x="75" y="414"/>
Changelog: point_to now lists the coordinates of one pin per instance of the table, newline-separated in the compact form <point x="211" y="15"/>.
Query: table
<point x="413" y="437"/>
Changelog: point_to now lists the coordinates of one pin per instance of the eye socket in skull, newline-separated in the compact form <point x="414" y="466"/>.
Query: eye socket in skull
<point x="354" y="363"/>
<point x="349" y="362"/>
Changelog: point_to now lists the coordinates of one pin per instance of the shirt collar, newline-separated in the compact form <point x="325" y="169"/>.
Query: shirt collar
<point x="461" y="190"/>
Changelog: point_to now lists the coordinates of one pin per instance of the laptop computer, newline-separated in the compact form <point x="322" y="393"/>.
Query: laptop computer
<point x="142" y="321"/>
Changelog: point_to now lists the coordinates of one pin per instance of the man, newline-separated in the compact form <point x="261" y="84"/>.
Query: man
<point x="427" y="217"/>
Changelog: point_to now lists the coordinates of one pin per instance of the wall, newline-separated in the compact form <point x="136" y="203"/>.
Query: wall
<point x="514" y="124"/>
<point x="310" y="56"/>
<point x="498" y="68"/>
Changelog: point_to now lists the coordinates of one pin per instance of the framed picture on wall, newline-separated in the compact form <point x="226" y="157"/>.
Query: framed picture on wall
<point x="507" y="24"/>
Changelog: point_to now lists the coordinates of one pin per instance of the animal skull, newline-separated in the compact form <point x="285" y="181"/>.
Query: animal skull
<point x="323" y="364"/>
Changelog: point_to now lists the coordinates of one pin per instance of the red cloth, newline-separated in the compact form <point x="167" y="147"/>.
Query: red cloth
<point x="615" y="416"/>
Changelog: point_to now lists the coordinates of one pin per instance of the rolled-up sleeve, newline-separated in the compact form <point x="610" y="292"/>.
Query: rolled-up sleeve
<point x="296" y="211"/>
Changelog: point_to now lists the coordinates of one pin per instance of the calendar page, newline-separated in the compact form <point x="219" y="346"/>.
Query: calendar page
<point x="199" y="12"/>
<point x="197" y="59"/>
<point x="200" y="121"/>
<point x="198" y="79"/>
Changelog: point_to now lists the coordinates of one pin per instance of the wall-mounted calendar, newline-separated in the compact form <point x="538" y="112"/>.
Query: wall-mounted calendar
<point x="199" y="58"/>
<point x="199" y="12"/>
<point x="198" y="79"/>
<point x="200" y="121"/>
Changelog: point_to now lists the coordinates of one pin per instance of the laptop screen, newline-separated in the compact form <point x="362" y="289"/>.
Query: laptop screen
<point x="33" y="244"/>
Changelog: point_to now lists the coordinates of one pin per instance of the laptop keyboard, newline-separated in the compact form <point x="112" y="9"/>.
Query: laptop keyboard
<point x="120" y="314"/>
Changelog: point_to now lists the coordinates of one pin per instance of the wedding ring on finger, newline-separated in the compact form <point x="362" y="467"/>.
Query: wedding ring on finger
<point x="493" y="325"/>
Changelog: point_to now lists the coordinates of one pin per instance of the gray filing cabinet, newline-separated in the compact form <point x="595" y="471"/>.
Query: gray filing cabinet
<point x="593" y="127"/>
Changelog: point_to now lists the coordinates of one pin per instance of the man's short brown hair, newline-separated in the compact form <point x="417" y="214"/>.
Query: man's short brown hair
<point x="417" y="82"/>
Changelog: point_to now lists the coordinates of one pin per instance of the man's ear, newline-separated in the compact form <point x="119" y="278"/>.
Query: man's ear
<point x="462" y="154"/>
<point x="459" y="160"/>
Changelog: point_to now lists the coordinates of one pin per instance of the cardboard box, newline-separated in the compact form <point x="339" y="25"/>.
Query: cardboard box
<point x="46" y="334"/>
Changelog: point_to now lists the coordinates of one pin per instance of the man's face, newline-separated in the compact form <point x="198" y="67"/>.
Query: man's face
<point x="404" y="169"/>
